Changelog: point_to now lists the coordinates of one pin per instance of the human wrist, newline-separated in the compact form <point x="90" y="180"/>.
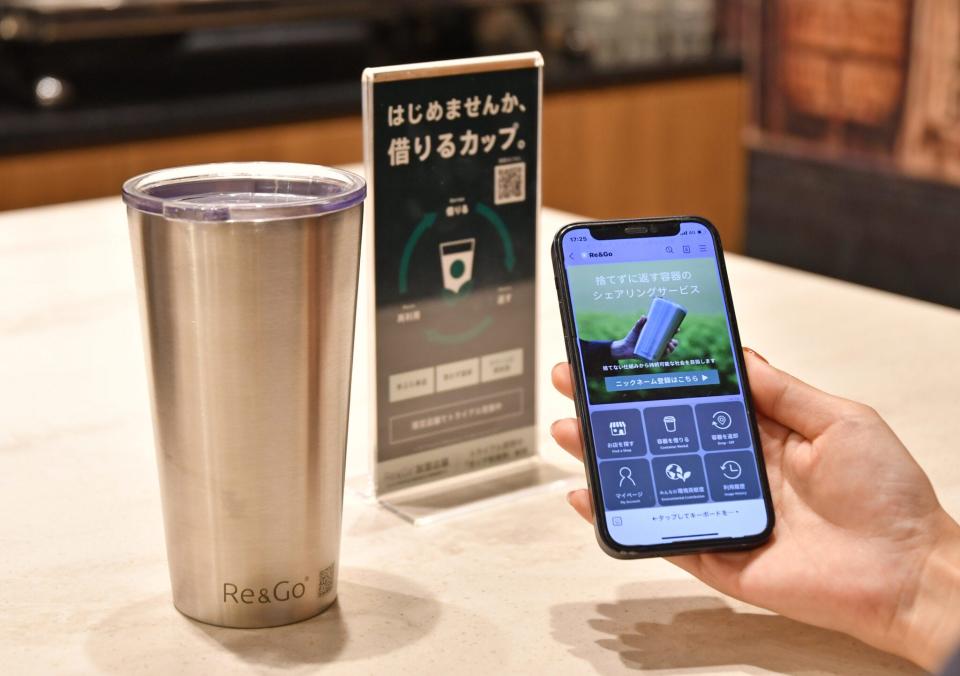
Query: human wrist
<point x="929" y="626"/>
<point x="618" y="349"/>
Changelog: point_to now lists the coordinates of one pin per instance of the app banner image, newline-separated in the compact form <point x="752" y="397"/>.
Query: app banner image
<point x="652" y="330"/>
<point x="455" y="203"/>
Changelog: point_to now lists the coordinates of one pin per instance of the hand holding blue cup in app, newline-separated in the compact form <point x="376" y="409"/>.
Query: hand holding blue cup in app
<point x="656" y="336"/>
<point x="626" y="347"/>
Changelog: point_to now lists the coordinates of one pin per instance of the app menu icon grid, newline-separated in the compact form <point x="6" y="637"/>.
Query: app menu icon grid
<point x="700" y="453"/>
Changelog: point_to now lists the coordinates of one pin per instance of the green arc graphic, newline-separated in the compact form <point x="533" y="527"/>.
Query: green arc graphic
<point x="509" y="257"/>
<point x="509" y="262"/>
<point x="428" y="220"/>
<point x="435" y="336"/>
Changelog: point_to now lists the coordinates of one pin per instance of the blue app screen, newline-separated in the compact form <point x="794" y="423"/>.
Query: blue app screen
<point x="673" y="443"/>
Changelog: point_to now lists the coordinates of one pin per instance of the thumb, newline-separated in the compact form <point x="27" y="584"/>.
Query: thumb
<point x="788" y="400"/>
<point x="635" y="331"/>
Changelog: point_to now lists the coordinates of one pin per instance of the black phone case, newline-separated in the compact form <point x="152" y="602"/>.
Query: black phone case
<point x="604" y="538"/>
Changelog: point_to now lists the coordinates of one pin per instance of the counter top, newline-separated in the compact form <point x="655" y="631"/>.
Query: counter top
<point x="521" y="588"/>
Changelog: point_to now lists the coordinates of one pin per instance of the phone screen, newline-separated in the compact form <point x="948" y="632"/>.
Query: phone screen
<point x="675" y="453"/>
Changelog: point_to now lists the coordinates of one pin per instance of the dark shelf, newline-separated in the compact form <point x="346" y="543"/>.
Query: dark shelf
<point x="23" y="129"/>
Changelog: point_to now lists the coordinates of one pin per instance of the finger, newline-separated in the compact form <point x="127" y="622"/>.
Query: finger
<point x="580" y="501"/>
<point x="562" y="380"/>
<point x="691" y="563"/>
<point x="771" y="429"/>
<point x="566" y="433"/>
<point x="672" y="345"/>
<point x="789" y="401"/>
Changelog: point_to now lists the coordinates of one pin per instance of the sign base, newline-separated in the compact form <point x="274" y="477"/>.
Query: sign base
<point x="458" y="496"/>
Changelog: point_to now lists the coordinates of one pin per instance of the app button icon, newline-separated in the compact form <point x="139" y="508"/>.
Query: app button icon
<point x="721" y="420"/>
<point x="686" y="248"/>
<point x="732" y="476"/>
<point x="680" y="480"/>
<point x="626" y="484"/>
<point x="676" y="473"/>
<point x="731" y="469"/>
<point x="670" y="429"/>
<point x="618" y="433"/>
<point x="723" y="426"/>
<point x="617" y="521"/>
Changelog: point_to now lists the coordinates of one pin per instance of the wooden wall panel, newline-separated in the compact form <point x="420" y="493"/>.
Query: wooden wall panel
<point x="647" y="149"/>
<point x="654" y="149"/>
<point x="81" y="173"/>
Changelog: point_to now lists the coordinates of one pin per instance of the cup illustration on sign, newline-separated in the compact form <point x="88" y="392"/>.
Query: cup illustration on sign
<point x="663" y="320"/>
<point x="456" y="262"/>
<point x="670" y="423"/>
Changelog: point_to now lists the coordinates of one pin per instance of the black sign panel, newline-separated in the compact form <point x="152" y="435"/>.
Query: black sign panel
<point x="453" y="160"/>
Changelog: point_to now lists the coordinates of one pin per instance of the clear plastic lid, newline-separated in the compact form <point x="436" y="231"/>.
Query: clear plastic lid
<point x="244" y="191"/>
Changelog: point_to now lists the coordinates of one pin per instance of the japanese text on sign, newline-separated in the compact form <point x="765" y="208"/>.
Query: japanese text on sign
<point x="403" y="149"/>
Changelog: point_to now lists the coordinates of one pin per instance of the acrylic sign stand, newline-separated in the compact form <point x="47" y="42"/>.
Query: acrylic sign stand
<point x="452" y="156"/>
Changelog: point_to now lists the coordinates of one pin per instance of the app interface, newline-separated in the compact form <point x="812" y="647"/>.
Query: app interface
<point x="674" y="447"/>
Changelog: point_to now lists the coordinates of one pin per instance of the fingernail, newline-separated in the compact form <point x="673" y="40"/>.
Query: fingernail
<point x="756" y="354"/>
<point x="570" y="498"/>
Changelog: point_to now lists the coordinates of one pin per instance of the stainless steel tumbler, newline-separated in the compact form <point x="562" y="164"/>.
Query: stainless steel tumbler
<point x="247" y="276"/>
<point x="663" y="320"/>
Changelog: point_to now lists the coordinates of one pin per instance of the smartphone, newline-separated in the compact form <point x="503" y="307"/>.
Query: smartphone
<point x="671" y="449"/>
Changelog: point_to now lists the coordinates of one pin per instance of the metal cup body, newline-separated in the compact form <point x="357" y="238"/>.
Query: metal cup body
<point x="249" y="335"/>
<point x="663" y="320"/>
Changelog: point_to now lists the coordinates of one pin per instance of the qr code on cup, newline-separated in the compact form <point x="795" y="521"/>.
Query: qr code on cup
<point x="325" y="584"/>
<point x="510" y="183"/>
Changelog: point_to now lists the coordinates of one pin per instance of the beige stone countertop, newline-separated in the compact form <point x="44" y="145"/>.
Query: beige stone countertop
<point x="519" y="589"/>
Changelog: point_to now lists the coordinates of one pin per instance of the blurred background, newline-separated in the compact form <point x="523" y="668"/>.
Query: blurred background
<point x="821" y="134"/>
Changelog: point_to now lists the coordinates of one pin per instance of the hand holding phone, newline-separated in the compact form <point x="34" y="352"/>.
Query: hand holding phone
<point x="859" y="519"/>
<point x="672" y="451"/>
<point x="844" y="564"/>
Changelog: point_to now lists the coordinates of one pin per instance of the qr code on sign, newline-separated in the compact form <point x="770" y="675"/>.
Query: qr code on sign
<point x="510" y="183"/>
<point x="325" y="585"/>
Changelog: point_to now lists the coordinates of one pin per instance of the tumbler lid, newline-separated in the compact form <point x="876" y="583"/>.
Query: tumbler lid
<point x="244" y="191"/>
